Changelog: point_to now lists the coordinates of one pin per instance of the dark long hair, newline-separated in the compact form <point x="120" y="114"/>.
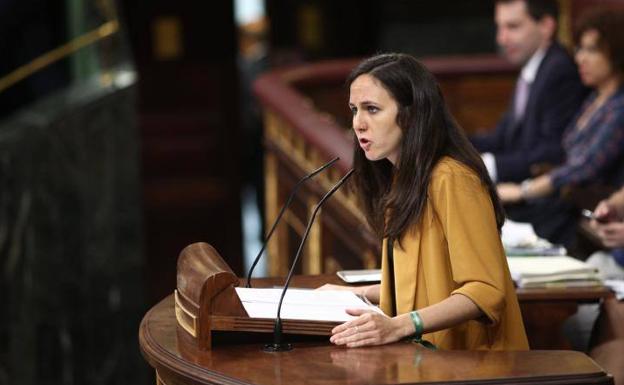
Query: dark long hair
<point x="393" y="198"/>
<point x="608" y="23"/>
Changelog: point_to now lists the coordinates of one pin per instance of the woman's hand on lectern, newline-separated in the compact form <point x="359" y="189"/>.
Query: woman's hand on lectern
<point x="371" y="328"/>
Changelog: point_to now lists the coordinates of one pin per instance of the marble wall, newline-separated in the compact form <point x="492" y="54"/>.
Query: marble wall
<point x="71" y="260"/>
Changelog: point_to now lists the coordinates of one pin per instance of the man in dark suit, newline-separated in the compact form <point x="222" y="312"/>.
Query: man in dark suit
<point x="547" y="95"/>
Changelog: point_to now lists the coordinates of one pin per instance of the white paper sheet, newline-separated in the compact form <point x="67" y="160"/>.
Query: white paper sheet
<point x="301" y="304"/>
<point x="517" y="234"/>
<point x="357" y="276"/>
<point x="548" y="266"/>
<point x="617" y="286"/>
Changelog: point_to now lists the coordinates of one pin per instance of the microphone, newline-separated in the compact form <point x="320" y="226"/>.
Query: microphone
<point x="283" y="209"/>
<point x="278" y="345"/>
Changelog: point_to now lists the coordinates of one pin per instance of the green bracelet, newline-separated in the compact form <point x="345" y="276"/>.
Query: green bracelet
<point x="419" y="326"/>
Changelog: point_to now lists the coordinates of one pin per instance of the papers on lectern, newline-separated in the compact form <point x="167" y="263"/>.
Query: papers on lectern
<point x="302" y="304"/>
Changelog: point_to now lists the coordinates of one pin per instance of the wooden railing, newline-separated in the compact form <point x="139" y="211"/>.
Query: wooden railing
<point x="307" y="124"/>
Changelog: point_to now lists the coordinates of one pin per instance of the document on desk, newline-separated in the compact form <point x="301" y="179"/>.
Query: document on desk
<point x="302" y="304"/>
<point x="552" y="271"/>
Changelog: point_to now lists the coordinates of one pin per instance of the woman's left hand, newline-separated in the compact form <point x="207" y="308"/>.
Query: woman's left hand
<point x="509" y="192"/>
<point x="370" y="328"/>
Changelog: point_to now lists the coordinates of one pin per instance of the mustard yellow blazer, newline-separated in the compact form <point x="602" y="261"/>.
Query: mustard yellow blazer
<point x="457" y="250"/>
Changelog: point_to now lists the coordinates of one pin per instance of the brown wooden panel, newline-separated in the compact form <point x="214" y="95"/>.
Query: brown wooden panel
<point x="477" y="101"/>
<point x="185" y="54"/>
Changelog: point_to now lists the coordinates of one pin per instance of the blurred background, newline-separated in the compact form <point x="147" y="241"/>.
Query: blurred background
<point x="129" y="129"/>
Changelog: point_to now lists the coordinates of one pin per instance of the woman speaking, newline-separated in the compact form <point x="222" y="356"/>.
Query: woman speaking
<point x="425" y="191"/>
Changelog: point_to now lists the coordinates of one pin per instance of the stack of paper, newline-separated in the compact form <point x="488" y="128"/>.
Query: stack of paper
<point x="302" y="304"/>
<point x="552" y="271"/>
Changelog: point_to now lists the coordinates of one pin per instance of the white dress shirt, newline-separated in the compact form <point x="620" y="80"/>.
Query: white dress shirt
<point x="528" y="74"/>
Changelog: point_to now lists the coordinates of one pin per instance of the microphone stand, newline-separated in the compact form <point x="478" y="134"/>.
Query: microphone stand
<point x="282" y="210"/>
<point x="278" y="345"/>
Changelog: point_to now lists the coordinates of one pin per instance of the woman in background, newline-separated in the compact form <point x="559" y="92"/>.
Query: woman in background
<point x="594" y="142"/>
<point x="425" y="191"/>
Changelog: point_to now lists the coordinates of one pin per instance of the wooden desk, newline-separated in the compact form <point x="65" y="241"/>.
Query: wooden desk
<point x="177" y="362"/>
<point x="236" y="358"/>
<point x="544" y="311"/>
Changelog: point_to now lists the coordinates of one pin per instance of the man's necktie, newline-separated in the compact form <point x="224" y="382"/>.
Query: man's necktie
<point x="521" y="98"/>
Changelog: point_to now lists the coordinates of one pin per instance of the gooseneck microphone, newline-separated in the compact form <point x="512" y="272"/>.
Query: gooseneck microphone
<point x="283" y="209"/>
<point x="277" y="344"/>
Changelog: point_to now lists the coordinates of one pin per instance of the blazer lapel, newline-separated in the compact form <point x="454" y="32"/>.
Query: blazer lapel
<point x="538" y="83"/>
<point x="515" y="127"/>
<point x="385" y="298"/>
<point x="406" y="261"/>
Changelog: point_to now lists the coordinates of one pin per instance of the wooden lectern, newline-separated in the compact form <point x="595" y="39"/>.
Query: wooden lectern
<point x="177" y="339"/>
<point x="178" y="360"/>
<point x="206" y="300"/>
<point x="206" y="303"/>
